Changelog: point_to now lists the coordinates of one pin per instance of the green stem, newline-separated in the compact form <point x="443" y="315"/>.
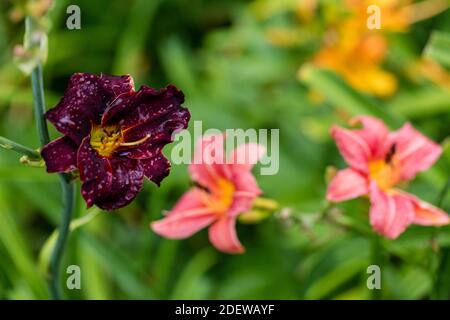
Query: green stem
<point x="11" y="145"/>
<point x="66" y="186"/>
<point x="68" y="192"/>
<point x="443" y="193"/>
<point x="39" y="104"/>
<point x="377" y="259"/>
<point x="442" y="256"/>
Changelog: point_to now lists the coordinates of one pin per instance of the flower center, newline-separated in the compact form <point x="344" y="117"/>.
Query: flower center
<point x="385" y="174"/>
<point x="106" y="140"/>
<point x="220" y="198"/>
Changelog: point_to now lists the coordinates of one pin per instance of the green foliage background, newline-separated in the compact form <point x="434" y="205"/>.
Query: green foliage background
<point x="217" y="52"/>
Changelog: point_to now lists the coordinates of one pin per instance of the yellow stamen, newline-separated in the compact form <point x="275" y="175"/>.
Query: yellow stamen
<point x="134" y="143"/>
<point x="106" y="140"/>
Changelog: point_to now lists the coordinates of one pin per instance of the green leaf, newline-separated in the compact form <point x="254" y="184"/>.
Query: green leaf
<point x="186" y="286"/>
<point x="47" y="248"/>
<point x="421" y="102"/>
<point x="131" y="45"/>
<point x="12" y="238"/>
<point x="442" y="280"/>
<point x="118" y="266"/>
<point x="336" y="277"/>
<point x="341" y="95"/>
<point x="438" y="48"/>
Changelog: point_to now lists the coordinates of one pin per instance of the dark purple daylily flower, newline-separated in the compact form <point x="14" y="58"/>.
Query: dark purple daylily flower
<point x="113" y="135"/>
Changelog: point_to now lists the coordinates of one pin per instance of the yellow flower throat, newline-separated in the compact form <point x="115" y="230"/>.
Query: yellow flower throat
<point x="106" y="140"/>
<point x="385" y="172"/>
<point x="220" y="199"/>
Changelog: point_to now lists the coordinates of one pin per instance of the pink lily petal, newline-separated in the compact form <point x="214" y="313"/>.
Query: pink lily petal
<point x="222" y="235"/>
<point x="245" y="156"/>
<point x="208" y="165"/>
<point x="353" y="148"/>
<point x="374" y="133"/>
<point x="187" y="217"/>
<point x="191" y="201"/>
<point x="246" y="191"/>
<point x="180" y="226"/>
<point x="390" y="214"/>
<point x="415" y="152"/>
<point x="347" y="184"/>
<point x="245" y="182"/>
<point x="426" y="214"/>
<point x="209" y="149"/>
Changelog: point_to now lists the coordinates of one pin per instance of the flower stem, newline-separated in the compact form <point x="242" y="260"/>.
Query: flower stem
<point x="439" y="290"/>
<point x="377" y="260"/>
<point x="443" y="193"/>
<point x="11" y="145"/>
<point x="68" y="192"/>
<point x="66" y="185"/>
<point x="39" y="104"/>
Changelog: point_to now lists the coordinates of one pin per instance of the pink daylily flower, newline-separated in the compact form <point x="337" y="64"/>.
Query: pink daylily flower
<point x="379" y="160"/>
<point x="225" y="187"/>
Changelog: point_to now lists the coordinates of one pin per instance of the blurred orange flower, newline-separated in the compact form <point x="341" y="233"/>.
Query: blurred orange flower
<point x="357" y="53"/>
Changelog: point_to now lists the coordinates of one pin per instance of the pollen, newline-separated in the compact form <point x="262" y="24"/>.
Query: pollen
<point x="106" y="140"/>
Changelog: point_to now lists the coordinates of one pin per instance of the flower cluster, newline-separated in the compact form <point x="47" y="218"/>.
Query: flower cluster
<point x="113" y="135"/>
<point x="356" y="53"/>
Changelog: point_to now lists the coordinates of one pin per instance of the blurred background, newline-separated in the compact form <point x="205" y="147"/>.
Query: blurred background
<point x="299" y="66"/>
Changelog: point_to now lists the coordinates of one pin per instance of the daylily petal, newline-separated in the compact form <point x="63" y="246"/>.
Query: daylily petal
<point x="208" y="165"/>
<point x="222" y="235"/>
<point x="116" y="85"/>
<point x="160" y="131"/>
<point x="414" y="151"/>
<point x="127" y="178"/>
<point x="426" y="214"/>
<point x="246" y="192"/>
<point x="191" y="203"/>
<point x="241" y="203"/>
<point x="245" y="156"/>
<point x="146" y="105"/>
<point x="80" y="106"/>
<point x="60" y="155"/>
<point x="353" y="148"/>
<point x="156" y="168"/>
<point x="95" y="173"/>
<point x="187" y="217"/>
<point x="245" y="182"/>
<point x="375" y="133"/>
<point x="347" y="184"/>
<point x="390" y="214"/>
<point x="181" y="227"/>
